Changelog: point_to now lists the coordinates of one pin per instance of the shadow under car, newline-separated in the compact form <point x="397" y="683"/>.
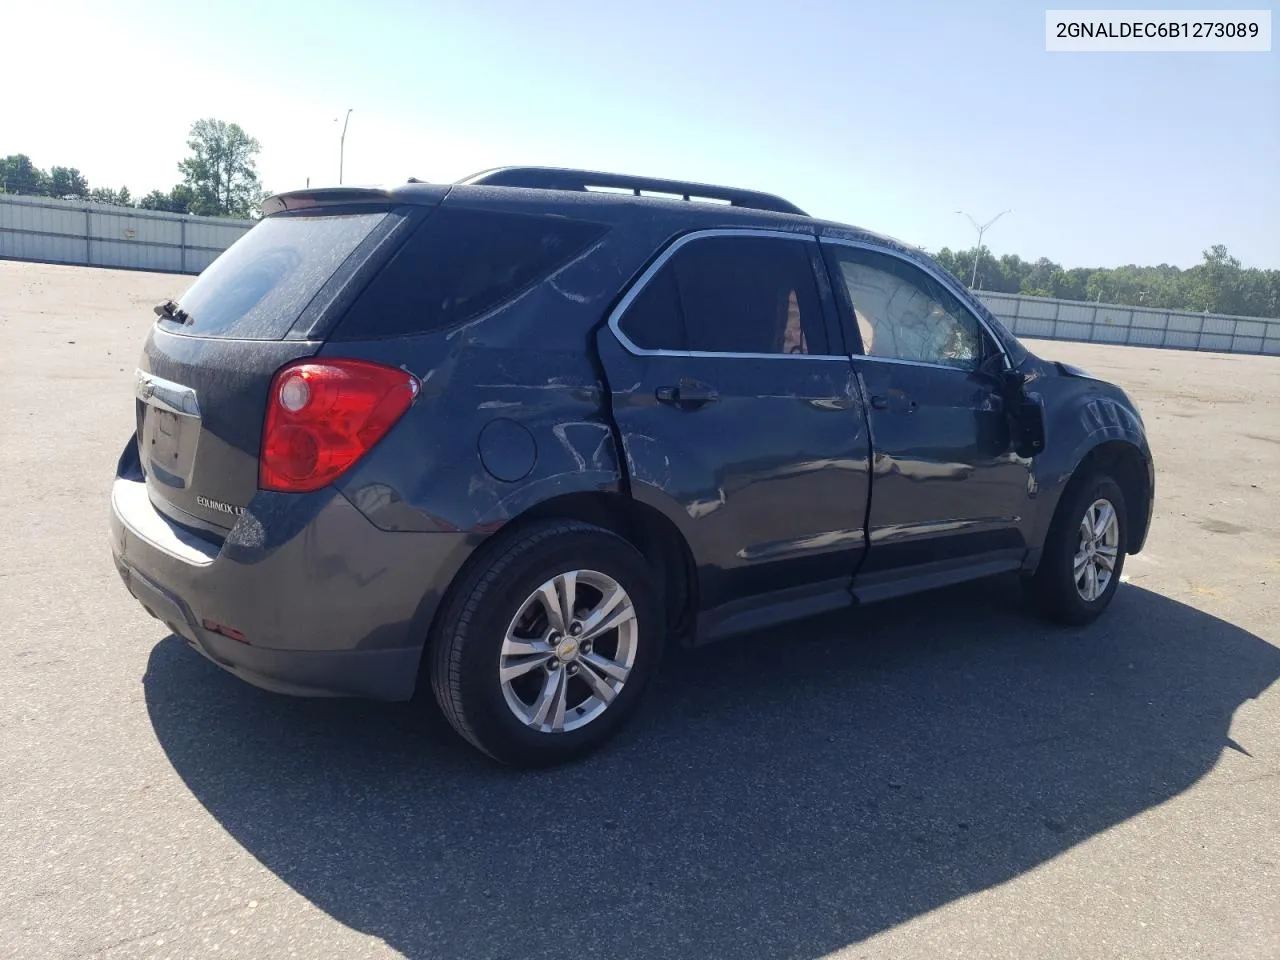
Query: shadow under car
<point x="793" y="792"/>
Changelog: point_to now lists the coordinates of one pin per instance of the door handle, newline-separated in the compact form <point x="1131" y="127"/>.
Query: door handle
<point x="880" y="402"/>
<point x="687" y="394"/>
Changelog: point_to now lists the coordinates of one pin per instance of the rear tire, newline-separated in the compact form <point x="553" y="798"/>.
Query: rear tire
<point x="530" y="682"/>
<point x="1079" y="572"/>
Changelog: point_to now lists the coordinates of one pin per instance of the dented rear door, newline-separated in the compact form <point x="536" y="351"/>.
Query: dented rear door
<point x="759" y="455"/>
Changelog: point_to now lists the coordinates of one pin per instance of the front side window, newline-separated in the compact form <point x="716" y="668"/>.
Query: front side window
<point x="904" y="314"/>
<point x="735" y="295"/>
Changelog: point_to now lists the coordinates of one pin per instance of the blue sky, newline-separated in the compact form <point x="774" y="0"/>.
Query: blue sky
<point x="888" y="115"/>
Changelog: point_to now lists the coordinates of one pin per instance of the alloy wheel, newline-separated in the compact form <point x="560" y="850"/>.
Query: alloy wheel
<point x="1095" y="560"/>
<point x="568" y="651"/>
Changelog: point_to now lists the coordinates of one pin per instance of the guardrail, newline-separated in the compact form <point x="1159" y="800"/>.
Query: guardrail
<point x="102" y="235"/>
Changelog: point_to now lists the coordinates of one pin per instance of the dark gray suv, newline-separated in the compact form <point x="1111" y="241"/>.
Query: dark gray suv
<point x="508" y="437"/>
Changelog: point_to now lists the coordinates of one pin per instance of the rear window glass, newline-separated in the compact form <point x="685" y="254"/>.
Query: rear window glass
<point x="460" y="264"/>
<point x="259" y="287"/>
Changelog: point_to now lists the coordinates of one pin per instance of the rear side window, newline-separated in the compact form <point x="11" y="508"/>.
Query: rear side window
<point x="259" y="287"/>
<point x="460" y="264"/>
<point x="653" y="320"/>
<point x="745" y="294"/>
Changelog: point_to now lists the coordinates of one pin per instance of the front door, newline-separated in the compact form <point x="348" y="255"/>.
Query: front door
<point x="740" y="420"/>
<point x="949" y="495"/>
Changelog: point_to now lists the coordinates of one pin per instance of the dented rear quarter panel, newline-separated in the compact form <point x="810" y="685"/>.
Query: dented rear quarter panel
<point x="531" y="363"/>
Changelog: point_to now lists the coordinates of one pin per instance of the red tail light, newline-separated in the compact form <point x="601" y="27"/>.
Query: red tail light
<point x="323" y="416"/>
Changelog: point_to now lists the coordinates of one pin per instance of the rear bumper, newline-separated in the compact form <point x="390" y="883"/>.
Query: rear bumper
<point x="377" y="674"/>
<point x="329" y="605"/>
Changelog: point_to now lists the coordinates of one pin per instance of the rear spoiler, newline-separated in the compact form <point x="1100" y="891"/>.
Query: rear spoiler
<point x="414" y="192"/>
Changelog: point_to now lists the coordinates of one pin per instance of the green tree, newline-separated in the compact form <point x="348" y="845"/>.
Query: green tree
<point x="155" y="200"/>
<point x="119" y="198"/>
<point x="1216" y="283"/>
<point x="19" y="175"/>
<point x="222" y="170"/>
<point x="1013" y="269"/>
<point x="1219" y="284"/>
<point x="949" y="261"/>
<point x="990" y="276"/>
<point x="181" y="198"/>
<point x="177" y="200"/>
<point x="1044" y="278"/>
<point x="67" y="182"/>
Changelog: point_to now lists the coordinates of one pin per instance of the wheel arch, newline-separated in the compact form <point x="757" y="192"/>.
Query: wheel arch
<point x="1125" y="462"/>
<point x="648" y="530"/>
<point x="644" y="527"/>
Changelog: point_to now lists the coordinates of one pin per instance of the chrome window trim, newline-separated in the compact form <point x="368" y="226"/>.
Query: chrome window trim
<point x="651" y="271"/>
<point x="863" y="357"/>
<point x="947" y="284"/>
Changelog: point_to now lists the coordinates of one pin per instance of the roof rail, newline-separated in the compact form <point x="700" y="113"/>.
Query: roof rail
<point x="554" y="178"/>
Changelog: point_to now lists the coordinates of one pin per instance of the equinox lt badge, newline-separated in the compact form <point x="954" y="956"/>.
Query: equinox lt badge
<point x="219" y="506"/>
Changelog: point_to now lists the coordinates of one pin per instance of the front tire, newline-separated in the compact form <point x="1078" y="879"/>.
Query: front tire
<point x="1083" y="554"/>
<point x="548" y="644"/>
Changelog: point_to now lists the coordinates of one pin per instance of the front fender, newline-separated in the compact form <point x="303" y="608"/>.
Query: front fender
<point x="1098" y="420"/>
<point x="1082" y="416"/>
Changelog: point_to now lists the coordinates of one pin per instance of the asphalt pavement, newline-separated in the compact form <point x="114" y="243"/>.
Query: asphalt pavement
<point x="944" y="776"/>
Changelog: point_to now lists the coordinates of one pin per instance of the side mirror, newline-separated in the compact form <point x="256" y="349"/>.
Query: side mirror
<point x="1028" y="420"/>
<point x="1009" y="381"/>
<point x="1013" y="381"/>
<point x="992" y="367"/>
<point x="1025" y="412"/>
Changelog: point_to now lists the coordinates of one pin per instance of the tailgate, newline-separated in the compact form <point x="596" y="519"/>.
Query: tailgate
<point x="207" y="366"/>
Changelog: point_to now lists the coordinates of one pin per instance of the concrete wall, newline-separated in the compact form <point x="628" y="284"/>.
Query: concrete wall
<point x="101" y="235"/>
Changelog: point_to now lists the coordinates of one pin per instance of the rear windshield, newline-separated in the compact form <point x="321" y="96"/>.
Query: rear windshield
<point x="259" y="287"/>
<point x="460" y="264"/>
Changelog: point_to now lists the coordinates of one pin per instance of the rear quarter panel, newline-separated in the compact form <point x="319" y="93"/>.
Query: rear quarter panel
<point x="505" y="419"/>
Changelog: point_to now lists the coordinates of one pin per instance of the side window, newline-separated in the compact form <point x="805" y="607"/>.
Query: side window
<point x="749" y="295"/>
<point x="653" y="321"/>
<point x="459" y="264"/>
<point x="904" y="314"/>
<point x="731" y="295"/>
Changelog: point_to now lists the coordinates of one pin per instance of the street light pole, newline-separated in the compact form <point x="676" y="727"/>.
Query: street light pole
<point x="981" y="228"/>
<point x="342" y="142"/>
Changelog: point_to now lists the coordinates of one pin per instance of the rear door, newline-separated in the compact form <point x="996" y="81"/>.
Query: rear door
<point x="206" y="367"/>
<point x="739" y="416"/>
<point x="949" y="495"/>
